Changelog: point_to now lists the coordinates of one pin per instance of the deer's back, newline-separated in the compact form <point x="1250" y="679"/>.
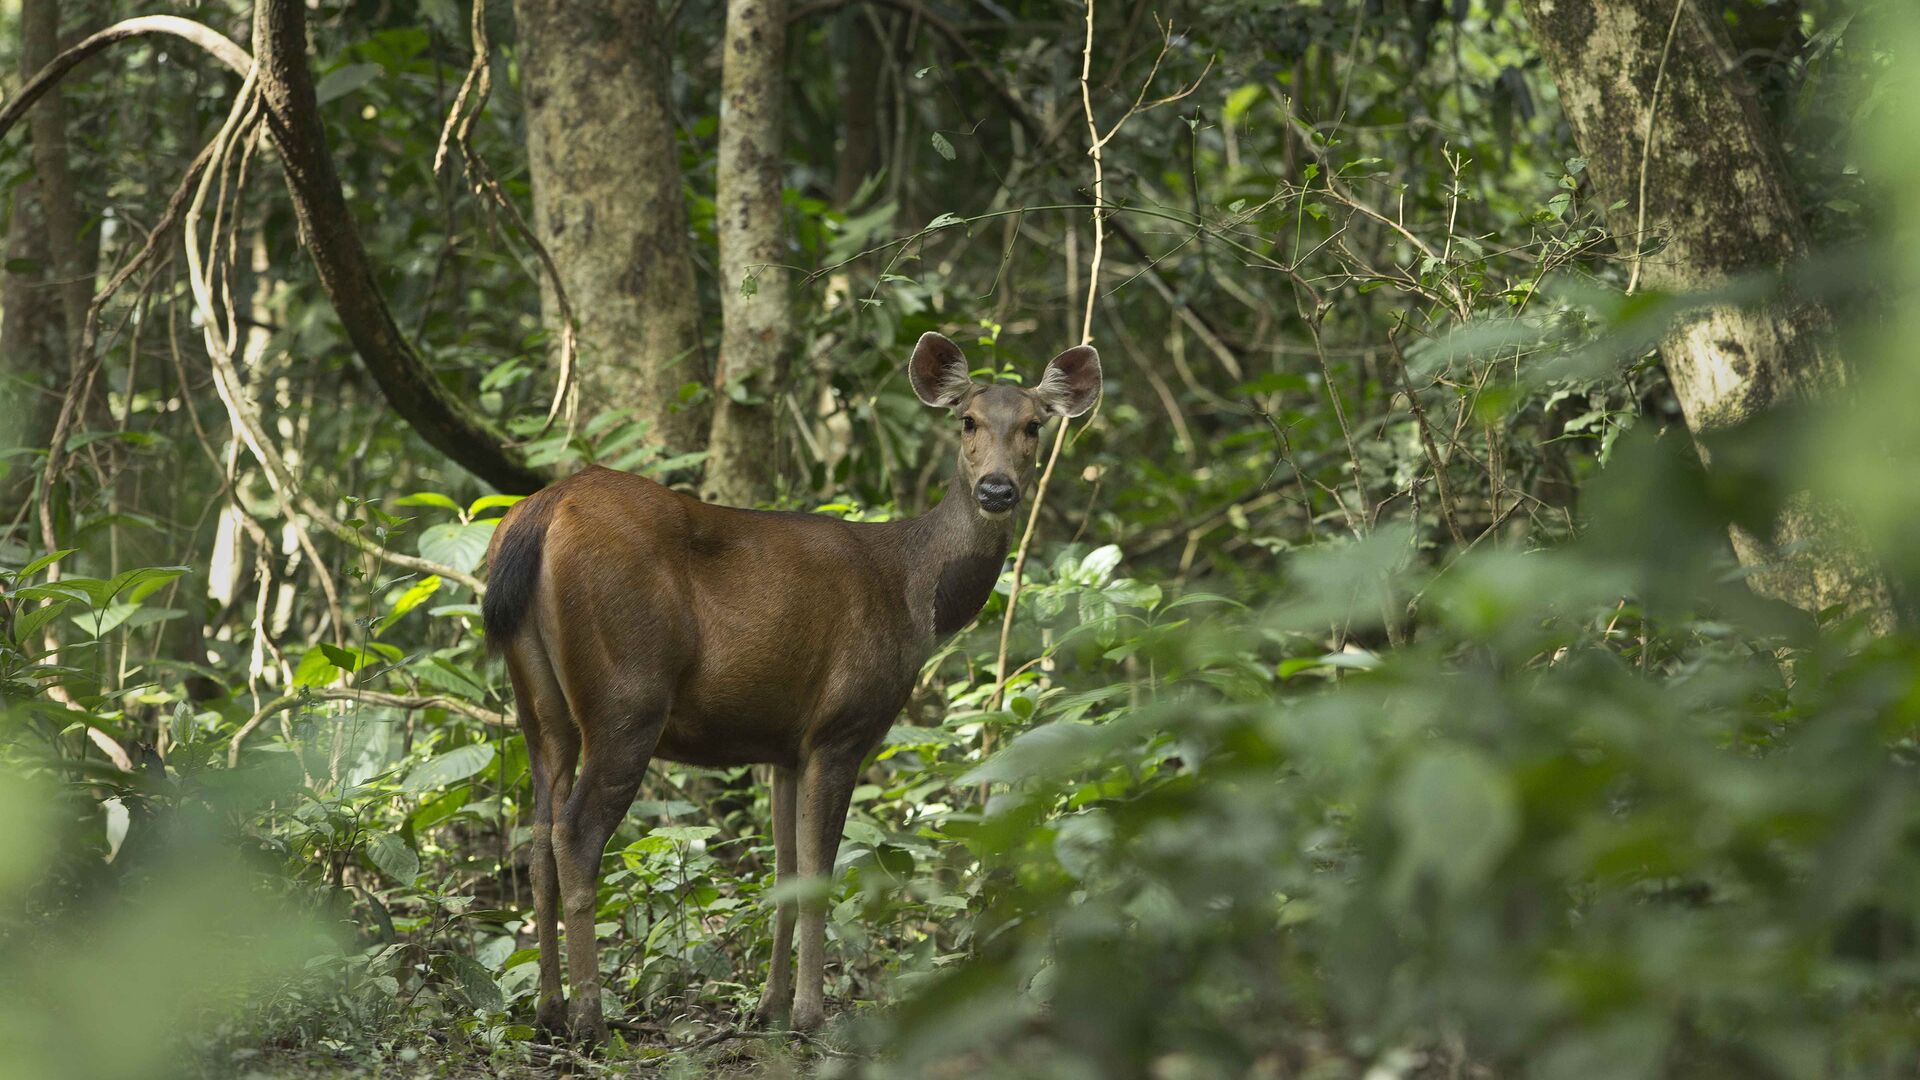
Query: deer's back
<point x="769" y="631"/>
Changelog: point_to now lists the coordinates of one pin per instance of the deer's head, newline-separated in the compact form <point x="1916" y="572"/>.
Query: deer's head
<point x="1000" y="423"/>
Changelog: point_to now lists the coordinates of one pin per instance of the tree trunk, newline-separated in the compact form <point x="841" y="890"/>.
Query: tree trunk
<point x="41" y="305"/>
<point x="859" y="108"/>
<point x="757" y="320"/>
<point x="607" y="203"/>
<point x="1717" y="190"/>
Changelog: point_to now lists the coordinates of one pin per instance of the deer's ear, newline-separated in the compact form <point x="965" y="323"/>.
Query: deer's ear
<point x="938" y="372"/>
<point x="1072" y="382"/>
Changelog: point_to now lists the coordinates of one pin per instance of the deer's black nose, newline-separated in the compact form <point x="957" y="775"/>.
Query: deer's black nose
<point x="996" y="493"/>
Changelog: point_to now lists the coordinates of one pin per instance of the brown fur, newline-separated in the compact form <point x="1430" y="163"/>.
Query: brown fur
<point x="659" y="625"/>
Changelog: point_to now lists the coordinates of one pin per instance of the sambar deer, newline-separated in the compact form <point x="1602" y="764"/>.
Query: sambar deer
<point x="639" y="622"/>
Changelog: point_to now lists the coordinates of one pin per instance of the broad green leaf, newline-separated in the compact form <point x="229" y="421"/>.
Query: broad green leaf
<point x="105" y="620"/>
<point x="1043" y="751"/>
<point x="350" y="659"/>
<point x="1099" y="564"/>
<point x="454" y="765"/>
<point x="391" y="855"/>
<point x="439" y="808"/>
<point x="315" y="669"/>
<point x="459" y="546"/>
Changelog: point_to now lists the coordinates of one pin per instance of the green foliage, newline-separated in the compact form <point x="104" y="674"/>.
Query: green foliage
<point x="1382" y="699"/>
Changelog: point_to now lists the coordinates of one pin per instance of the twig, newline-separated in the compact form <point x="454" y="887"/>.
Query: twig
<point x="1097" y="142"/>
<point x="1426" y="438"/>
<point x="459" y="129"/>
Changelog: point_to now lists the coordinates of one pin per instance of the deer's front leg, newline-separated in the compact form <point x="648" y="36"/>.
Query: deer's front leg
<point x="826" y="786"/>
<point x="777" y="1000"/>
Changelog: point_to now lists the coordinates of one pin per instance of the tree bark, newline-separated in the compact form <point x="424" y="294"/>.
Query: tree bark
<point x="757" y="319"/>
<point x="859" y="109"/>
<point x="607" y="203"/>
<point x="416" y="393"/>
<point x="43" y="303"/>
<point x="1713" y="185"/>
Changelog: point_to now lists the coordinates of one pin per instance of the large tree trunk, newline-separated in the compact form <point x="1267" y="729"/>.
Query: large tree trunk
<point x="751" y="376"/>
<point x="1717" y="192"/>
<point x="42" y="305"/>
<point x="608" y="206"/>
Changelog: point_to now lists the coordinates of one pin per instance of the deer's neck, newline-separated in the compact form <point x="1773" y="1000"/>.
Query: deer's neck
<point x="954" y="555"/>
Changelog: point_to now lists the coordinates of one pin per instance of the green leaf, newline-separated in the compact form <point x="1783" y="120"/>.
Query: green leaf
<point x="1456" y="815"/>
<point x="941" y="144"/>
<point x="1043" y="751"/>
<point x="476" y="982"/>
<point x="439" y="808"/>
<point x="103" y="621"/>
<point x="28" y="623"/>
<point x="350" y="659"/>
<point x="488" y="502"/>
<point x="459" y="546"/>
<point x="1099" y="564"/>
<point x="42" y="563"/>
<point x="454" y="765"/>
<point x="392" y="857"/>
<point x="684" y="834"/>
<point x="428" y="498"/>
<point x="314" y="669"/>
<point x="342" y="81"/>
<point x="409" y="600"/>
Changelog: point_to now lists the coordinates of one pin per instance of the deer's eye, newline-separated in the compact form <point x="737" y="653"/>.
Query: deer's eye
<point x="1033" y="429"/>
<point x="967" y="425"/>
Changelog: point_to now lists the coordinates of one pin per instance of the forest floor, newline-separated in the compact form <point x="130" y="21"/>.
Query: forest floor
<point x="770" y="1054"/>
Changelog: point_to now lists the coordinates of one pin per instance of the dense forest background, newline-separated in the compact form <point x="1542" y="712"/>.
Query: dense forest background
<point x="1472" y="636"/>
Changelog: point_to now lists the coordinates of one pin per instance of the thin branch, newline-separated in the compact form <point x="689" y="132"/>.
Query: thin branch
<point x="363" y="697"/>
<point x="187" y="30"/>
<point x="477" y="87"/>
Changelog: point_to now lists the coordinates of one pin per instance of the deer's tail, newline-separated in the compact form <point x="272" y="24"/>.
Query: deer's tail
<point x="513" y="571"/>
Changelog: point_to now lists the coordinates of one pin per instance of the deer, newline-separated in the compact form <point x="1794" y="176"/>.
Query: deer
<point x="638" y="622"/>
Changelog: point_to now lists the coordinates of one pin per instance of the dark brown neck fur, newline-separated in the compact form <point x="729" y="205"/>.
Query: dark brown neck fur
<point x="952" y="556"/>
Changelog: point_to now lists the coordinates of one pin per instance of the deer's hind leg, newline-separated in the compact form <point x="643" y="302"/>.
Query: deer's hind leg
<point x="553" y="746"/>
<point x="826" y="782"/>
<point x="620" y="722"/>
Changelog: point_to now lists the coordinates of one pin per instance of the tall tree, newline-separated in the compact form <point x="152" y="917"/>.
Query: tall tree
<point x="757" y="320"/>
<point x="46" y="284"/>
<point x="1680" y="150"/>
<point x="607" y="202"/>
